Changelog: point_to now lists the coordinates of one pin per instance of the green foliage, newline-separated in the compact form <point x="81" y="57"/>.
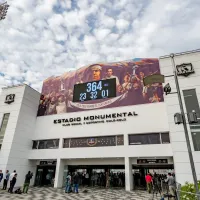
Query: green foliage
<point x="188" y="187"/>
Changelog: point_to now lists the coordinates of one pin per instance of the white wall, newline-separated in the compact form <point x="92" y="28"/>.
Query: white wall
<point x="17" y="141"/>
<point x="151" y="118"/>
<point x="13" y="109"/>
<point x="178" y="142"/>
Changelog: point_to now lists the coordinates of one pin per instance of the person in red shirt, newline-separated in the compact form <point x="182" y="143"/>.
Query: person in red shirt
<point x="148" y="179"/>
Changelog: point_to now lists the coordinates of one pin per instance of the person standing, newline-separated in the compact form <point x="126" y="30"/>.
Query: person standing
<point x="13" y="182"/>
<point x="87" y="179"/>
<point x="148" y="179"/>
<point x="6" y="179"/>
<point x="48" y="179"/>
<point x="68" y="183"/>
<point x="108" y="179"/>
<point x="76" y="182"/>
<point x="1" y="176"/>
<point x="10" y="178"/>
<point x="28" y="177"/>
<point x="172" y="185"/>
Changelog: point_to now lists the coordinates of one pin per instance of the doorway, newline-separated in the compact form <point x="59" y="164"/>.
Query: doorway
<point x="95" y="175"/>
<point x="45" y="175"/>
<point x="140" y="171"/>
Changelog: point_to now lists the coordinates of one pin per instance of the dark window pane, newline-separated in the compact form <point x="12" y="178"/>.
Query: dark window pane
<point x="35" y="144"/>
<point x="52" y="144"/>
<point x="153" y="138"/>
<point x="196" y="140"/>
<point x="3" y="126"/>
<point x="48" y="144"/>
<point x="165" y="138"/>
<point x="41" y="144"/>
<point x="120" y="140"/>
<point x="192" y="105"/>
<point x="66" y="143"/>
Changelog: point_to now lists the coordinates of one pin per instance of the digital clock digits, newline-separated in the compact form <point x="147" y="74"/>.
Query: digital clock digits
<point x="94" y="90"/>
<point x="83" y="96"/>
<point x="94" y="86"/>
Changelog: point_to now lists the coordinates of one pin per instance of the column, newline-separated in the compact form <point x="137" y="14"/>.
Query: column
<point x="59" y="173"/>
<point x="128" y="174"/>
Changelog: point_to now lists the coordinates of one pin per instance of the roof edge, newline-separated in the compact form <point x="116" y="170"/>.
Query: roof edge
<point x="181" y="53"/>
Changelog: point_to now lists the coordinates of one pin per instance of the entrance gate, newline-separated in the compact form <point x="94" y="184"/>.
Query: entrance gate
<point x="45" y="175"/>
<point x="97" y="175"/>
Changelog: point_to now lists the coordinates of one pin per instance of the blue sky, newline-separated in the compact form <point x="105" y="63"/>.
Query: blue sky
<point x="41" y="38"/>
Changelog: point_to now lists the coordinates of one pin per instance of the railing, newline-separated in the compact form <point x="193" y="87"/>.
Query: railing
<point x="181" y="195"/>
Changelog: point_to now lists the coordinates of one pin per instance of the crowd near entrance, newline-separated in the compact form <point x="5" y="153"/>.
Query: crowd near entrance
<point x="114" y="175"/>
<point x="99" y="175"/>
<point x="140" y="172"/>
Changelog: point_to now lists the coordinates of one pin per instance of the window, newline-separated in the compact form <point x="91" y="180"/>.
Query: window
<point x="192" y="104"/>
<point x="165" y="138"/>
<point x="35" y="145"/>
<point x="3" y="127"/>
<point x="149" y="138"/>
<point x="66" y="143"/>
<point x="46" y="144"/>
<point x="196" y="140"/>
<point x="120" y="140"/>
<point x="138" y="139"/>
<point x="93" y="141"/>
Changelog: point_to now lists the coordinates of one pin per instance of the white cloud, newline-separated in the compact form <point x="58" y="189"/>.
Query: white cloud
<point x="41" y="38"/>
<point x="122" y="24"/>
<point x="100" y="34"/>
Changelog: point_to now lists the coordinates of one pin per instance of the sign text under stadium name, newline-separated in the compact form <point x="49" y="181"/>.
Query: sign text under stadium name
<point x="95" y="119"/>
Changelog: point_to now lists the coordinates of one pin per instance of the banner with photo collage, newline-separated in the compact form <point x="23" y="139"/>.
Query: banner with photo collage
<point x="57" y="92"/>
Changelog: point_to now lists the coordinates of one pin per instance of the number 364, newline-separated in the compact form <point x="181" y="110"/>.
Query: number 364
<point x="92" y="87"/>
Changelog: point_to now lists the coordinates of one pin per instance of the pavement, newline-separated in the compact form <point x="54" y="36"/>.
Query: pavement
<point x="44" y="193"/>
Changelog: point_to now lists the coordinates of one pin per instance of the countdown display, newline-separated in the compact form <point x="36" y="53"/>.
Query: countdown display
<point x="94" y="90"/>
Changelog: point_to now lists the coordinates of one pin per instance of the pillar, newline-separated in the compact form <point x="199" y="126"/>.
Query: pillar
<point x="59" y="173"/>
<point x="128" y="174"/>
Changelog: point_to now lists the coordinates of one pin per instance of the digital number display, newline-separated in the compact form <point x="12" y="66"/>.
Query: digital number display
<point x="94" y="90"/>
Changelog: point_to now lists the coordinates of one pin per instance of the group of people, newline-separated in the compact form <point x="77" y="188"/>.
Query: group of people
<point x="72" y="183"/>
<point x="11" y="179"/>
<point x="157" y="183"/>
<point x="102" y="179"/>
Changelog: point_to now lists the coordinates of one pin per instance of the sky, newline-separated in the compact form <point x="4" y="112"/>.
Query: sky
<point x="41" y="38"/>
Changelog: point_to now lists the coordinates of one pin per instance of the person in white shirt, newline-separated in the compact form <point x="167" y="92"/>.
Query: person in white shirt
<point x="110" y="76"/>
<point x="10" y="178"/>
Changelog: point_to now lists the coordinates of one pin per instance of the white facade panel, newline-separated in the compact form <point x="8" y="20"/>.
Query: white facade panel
<point x="177" y="135"/>
<point x="145" y="122"/>
<point x="17" y="142"/>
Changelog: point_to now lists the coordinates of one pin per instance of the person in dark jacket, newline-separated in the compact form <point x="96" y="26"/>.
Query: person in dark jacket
<point x="14" y="180"/>
<point x="28" y="177"/>
<point x="1" y="176"/>
<point x="76" y="182"/>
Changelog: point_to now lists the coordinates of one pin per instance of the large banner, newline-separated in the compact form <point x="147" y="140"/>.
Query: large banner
<point x="57" y="92"/>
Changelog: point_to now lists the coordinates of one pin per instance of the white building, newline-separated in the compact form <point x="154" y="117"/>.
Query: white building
<point x="21" y="130"/>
